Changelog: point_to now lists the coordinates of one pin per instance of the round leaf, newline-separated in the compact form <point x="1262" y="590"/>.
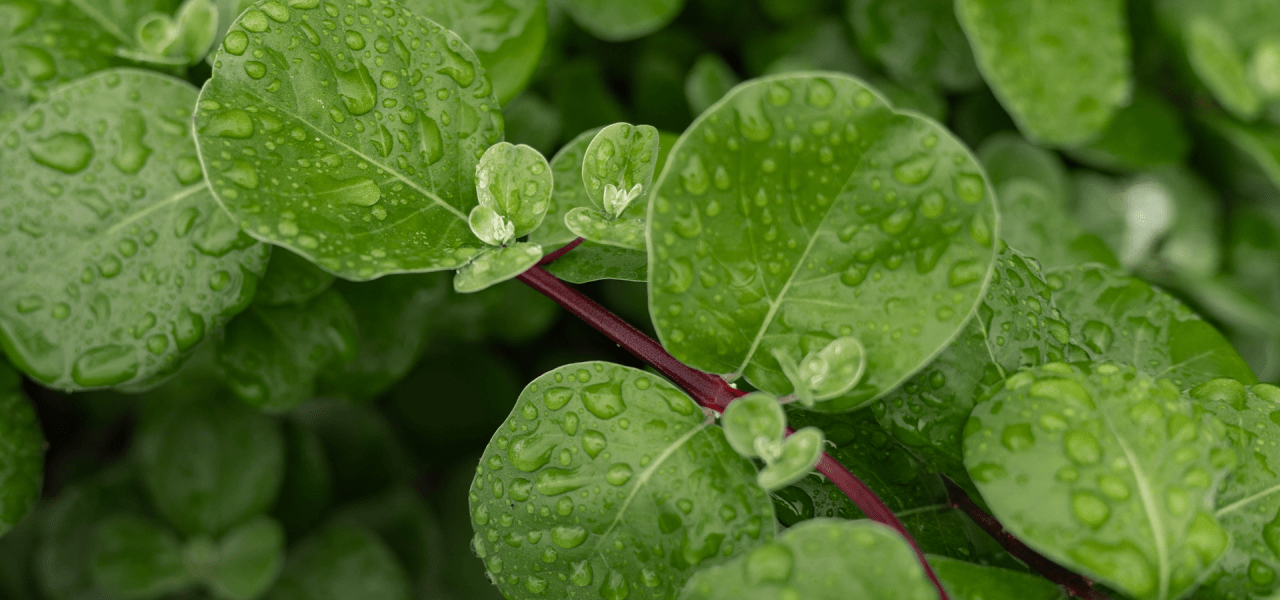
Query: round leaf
<point x="496" y="266"/>
<point x="803" y="208"/>
<point x="515" y="182"/>
<point x="290" y="279"/>
<point x="709" y="79"/>
<point x="615" y="21"/>
<point x="1105" y="471"/>
<point x="229" y="469"/>
<point x="408" y="527"/>
<point x="1061" y="69"/>
<point x="753" y="416"/>
<point x="592" y="262"/>
<point x="800" y="453"/>
<point x="22" y="449"/>
<point x="250" y="558"/>
<point x="618" y="165"/>
<point x="47" y="44"/>
<point x="141" y="264"/>
<point x="917" y="41"/>
<point x="967" y="581"/>
<point x="1147" y="133"/>
<point x="374" y="129"/>
<point x="339" y="563"/>
<point x="819" y="560"/>
<point x="136" y="557"/>
<point x="491" y="227"/>
<point x="662" y="471"/>
<point x="594" y="226"/>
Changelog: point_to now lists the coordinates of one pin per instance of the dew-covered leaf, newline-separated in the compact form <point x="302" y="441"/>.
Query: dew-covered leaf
<point x="1248" y="504"/>
<point x="342" y="562"/>
<point x="1123" y="319"/>
<point x="46" y="44"/>
<point x="290" y="279"/>
<point x="507" y="36"/>
<point x="819" y="560"/>
<point x="615" y="21"/>
<point x="22" y="447"/>
<point x="249" y="560"/>
<point x="496" y="266"/>
<point x="592" y="262"/>
<point x="591" y="225"/>
<point x="917" y="41"/>
<point x="1105" y="471"/>
<point x="669" y="482"/>
<point x="752" y="417"/>
<point x="708" y="80"/>
<point x="515" y="182"/>
<point x="803" y="208"/>
<point x="229" y="469"/>
<point x="799" y="453"/>
<point x="618" y="167"/>
<point x="968" y="581"/>
<point x="137" y="557"/>
<point x="122" y="262"/>
<point x="1061" y="69"/>
<point x="355" y="148"/>
<point x="271" y="355"/>
<point x="1146" y="133"/>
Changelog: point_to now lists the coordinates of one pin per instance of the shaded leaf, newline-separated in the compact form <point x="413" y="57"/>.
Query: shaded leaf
<point x="342" y="562"/>
<point x="620" y="21"/>
<point x="136" y="557"/>
<point x="291" y="279"/>
<point x="22" y="449"/>
<point x="917" y="41"/>
<point x="967" y="581"/>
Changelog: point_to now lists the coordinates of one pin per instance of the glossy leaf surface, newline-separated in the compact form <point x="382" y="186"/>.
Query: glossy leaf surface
<point x="620" y="21"/>
<point x="290" y="279"/>
<point x="515" y="182"/>
<point x="1061" y="69"/>
<point x="135" y="557"/>
<point x="141" y="264"/>
<point x="22" y="448"/>
<point x="967" y="581"/>
<point x="1105" y="471"/>
<point x="341" y="562"/>
<point x="496" y="266"/>
<point x="377" y="181"/>
<point x="662" y="471"/>
<point x="618" y="166"/>
<point x="803" y="208"/>
<point x="799" y="453"/>
<point x="592" y="262"/>
<point x="819" y="560"/>
<point x="751" y="417"/>
<point x="625" y="233"/>
<point x="230" y="472"/>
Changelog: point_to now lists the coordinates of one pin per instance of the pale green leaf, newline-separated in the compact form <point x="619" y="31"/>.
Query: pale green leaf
<point x="136" y="557"/>
<point x="515" y="182"/>
<point x="122" y="260"/>
<point x="661" y="469"/>
<point x="342" y="562"/>
<point x="803" y="208"/>
<point x="751" y="417"/>
<point x="592" y="262"/>
<point x="615" y="21"/>
<point x="375" y="180"/>
<point x="819" y="560"/>
<point x="1105" y="471"/>
<point x="618" y="166"/>
<point x="797" y="457"/>
<point x="1061" y="69"/>
<point x="45" y="45"/>
<point x="591" y="225"/>
<point x="496" y="266"/>
<point x="491" y="227"/>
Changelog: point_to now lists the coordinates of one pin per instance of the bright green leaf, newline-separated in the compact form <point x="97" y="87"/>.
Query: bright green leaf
<point x="1061" y="69"/>
<point x="709" y="79"/>
<point x="496" y="266"/>
<point x="109" y="160"/>
<point x="618" y="166"/>
<point x="229" y="469"/>
<point x="515" y="182"/>
<point x="753" y="416"/>
<point x="136" y="557"/>
<point x="339" y="563"/>
<point x="819" y="560"/>
<point x="1105" y="471"/>
<point x="615" y="21"/>
<point x="967" y="581"/>
<point x="250" y="559"/>
<point x="797" y="457"/>
<point x="22" y="449"/>
<point x="593" y="262"/>
<point x="625" y="233"/>
<point x="917" y="41"/>
<point x="290" y="279"/>
<point x="803" y="208"/>
<point x="198" y="28"/>
<point x="1219" y="64"/>
<point x="592" y="426"/>
<point x="491" y="227"/>
<point x="379" y="181"/>
<point x="272" y="355"/>
<point x="1249" y="502"/>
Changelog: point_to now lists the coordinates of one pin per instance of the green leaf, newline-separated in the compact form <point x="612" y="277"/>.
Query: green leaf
<point x="379" y="181"/>
<point x="917" y="41"/>
<point x="592" y="262"/>
<point x="45" y="45"/>
<point x="516" y="183"/>
<point x="532" y="120"/>
<point x="1105" y="471"/>
<point x="1219" y="63"/>
<point x="339" y="563"/>
<point x="198" y="28"/>
<point x="967" y="581"/>
<point x="618" y="167"/>
<point x="754" y="416"/>
<point x="1248" y="503"/>
<point x="615" y="21"/>
<point x="1123" y="319"/>
<point x="290" y="279"/>
<point x="22" y="448"/>
<point x="797" y="457"/>
<point x="363" y="451"/>
<point x="709" y="79"/>
<point x="136" y="557"/>
<point x="229" y="469"/>
<point x="507" y="36"/>
<point x="821" y="44"/>
<point x="819" y="559"/>
<point x="119" y="16"/>
<point x="272" y="355"/>
<point x="250" y="558"/>
<point x="1259" y="145"/>
<point x="803" y="208"/>
<point x="496" y="266"/>
<point x="307" y="485"/>
<point x="661" y="468"/>
<point x="406" y="525"/>
<point x="510" y="312"/>
<point x="625" y="233"/>
<point x="175" y="42"/>
<point x="1061" y="69"/>
<point x="109" y="160"/>
<point x="1016" y="325"/>
<point x="1146" y="133"/>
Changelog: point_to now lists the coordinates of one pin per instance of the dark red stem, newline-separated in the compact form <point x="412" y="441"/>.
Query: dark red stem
<point x="708" y="390"/>
<point x="550" y="258"/>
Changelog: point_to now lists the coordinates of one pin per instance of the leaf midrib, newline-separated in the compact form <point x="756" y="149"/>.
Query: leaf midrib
<point x="1149" y="507"/>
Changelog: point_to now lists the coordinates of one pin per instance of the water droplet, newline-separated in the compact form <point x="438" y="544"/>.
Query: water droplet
<point x="459" y="69"/>
<point x="242" y="174"/>
<point x="771" y="563"/>
<point x="618" y="474"/>
<point x="520" y="488"/>
<point x="236" y="42"/>
<point x="694" y="176"/>
<point x="580" y="573"/>
<point x="570" y="423"/>
<point x="430" y="138"/>
<point x="188" y="330"/>
<point x="964" y="272"/>
<point x="255" y="69"/>
<point x="535" y="584"/>
<point x="751" y="120"/>
<point x="357" y="88"/>
<point x="234" y="123"/>
<point x="821" y="94"/>
<point x="1207" y="538"/>
<point x="66" y="152"/>
<point x="987" y="472"/>
<point x="604" y="400"/>
<point x="531" y="452"/>
<point x="357" y="191"/>
<point x="105" y="365"/>
<point x="254" y="21"/>
<point x="1097" y="336"/>
<point x="615" y="586"/>
<point x="970" y="187"/>
<point x="554" y="481"/>
<point x="1261" y="573"/>
<point x="1018" y="437"/>
<point x="1113" y="487"/>
<point x="854" y="275"/>
<point x="898" y="221"/>
<point x="914" y="170"/>
<point x="1082" y="448"/>
<point x="354" y="40"/>
<point x="276" y="11"/>
<point x="593" y="442"/>
<point x="1090" y="508"/>
<point x="568" y="536"/>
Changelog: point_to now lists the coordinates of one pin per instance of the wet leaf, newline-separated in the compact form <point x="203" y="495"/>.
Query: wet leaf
<point x="754" y="416"/>
<point x="22" y="449"/>
<point x="876" y="225"/>
<point x="663" y="472"/>
<point x="46" y="45"/>
<point x="291" y="279"/>
<point x="496" y="266"/>
<point x="593" y="262"/>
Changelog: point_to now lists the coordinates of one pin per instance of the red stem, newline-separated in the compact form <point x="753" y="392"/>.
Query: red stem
<point x="550" y="258"/>
<point x="708" y="390"/>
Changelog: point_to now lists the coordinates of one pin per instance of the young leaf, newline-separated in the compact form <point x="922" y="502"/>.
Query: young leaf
<point x="821" y="559"/>
<point x="661" y="468"/>
<point x="798" y="455"/>
<point x="615" y="21"/>
<point x="967" y="581"/>
<point x="342" y="562"/>
<point x="141" y="264"/>
<point x="625" y="233"/>
<point x="197" y="28"/>
<point x="378" y="181"/>
<point x="803" y="208"/>
<point x="290" y="279"/>
<point x="48" y="44"/>
<point x="1062" y="69"/>
<point x="1105" y="471"/>
<point x="272" y="355"/>
<point x="136" y="557"/>
<point x="593" y="262"/>
<point x="618" y="166"/>
<point x="496" y="266"/>
<point x="229" y="470"/>
<point x="1249" y="501"/>
<point x="516" y="183"/>
<point x="751" y="417"/>
<point x="491" y="227"/>
<point x="709" y="79"/>
<point x="22" y="448"/>
<point x="917" y="41"/>
<point x="249" y="560"/>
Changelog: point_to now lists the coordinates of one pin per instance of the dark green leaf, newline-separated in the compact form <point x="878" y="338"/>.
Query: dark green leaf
<point x="249" y="560"/>
<point x="620" y="21"/>
<point x="291" y="279"/>
<point x="136" y="557"/>
<point x="364" y="453"/>
<point x="406" y="526"/>
<point x="1146" y="133"/>
<point x="532" y="120"/>
<point x="967" y="581"/>
<point x="496" y="266"/>
<point x="46" y="45"/>
<point x="708" y="81"/>
<point x="917" y="41"/>
<point x="22" y="448"/>
<point x="339" y="563"/>
<point x="307" y="485"/>
<point x="592" y="262"/>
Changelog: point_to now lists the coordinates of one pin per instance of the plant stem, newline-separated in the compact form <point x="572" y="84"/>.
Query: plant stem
<point x="709" y="390"/>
